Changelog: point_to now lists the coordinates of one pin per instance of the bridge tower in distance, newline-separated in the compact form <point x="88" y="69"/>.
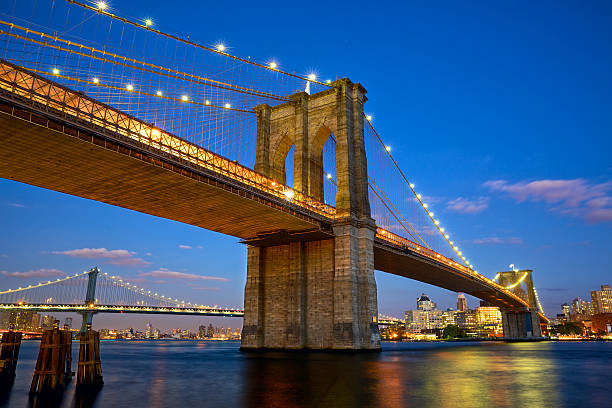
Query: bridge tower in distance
<point x="520" y="324"/>
<point x="316" y="289"/>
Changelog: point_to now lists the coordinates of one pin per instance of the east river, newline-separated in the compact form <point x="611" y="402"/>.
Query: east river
<point x="217" y="374"/>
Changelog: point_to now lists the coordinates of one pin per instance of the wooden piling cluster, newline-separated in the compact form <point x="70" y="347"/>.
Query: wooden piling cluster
<point x="53" y="366"/>
<point x="9" y="352"/>
<point x="89" y="373"/>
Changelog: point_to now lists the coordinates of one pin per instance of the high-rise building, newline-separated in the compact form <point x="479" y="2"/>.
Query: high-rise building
<point x="566" y="311"/>
<point x="461" y="303"/>
<point x="425" y="317"/>
<point x="602" y="300"/>
<point x="581" y="310"/>
<point x="68" y="322"/>
<point x="425" y="304"/>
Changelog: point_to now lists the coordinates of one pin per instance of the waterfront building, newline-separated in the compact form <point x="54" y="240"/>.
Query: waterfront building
<point x="448" y="317"/>
<point x="489" y="321"/>
<point x="602" y="300"/>
<point x="466" y="320"/>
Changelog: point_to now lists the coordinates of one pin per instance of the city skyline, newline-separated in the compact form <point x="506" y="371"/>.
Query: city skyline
<point x="524" y="192"/>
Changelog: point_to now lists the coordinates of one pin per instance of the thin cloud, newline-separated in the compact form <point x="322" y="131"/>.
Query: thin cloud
<point x="16" y="205"/>
<point x="37" y="273"/>
<point x="164" y="273"/>
<point x="120" y="257"/>
<point x="574" y="197"/>
<point x="184" y="246"/>
<point x="464" y="205"/>
<point x="497" y="241"/>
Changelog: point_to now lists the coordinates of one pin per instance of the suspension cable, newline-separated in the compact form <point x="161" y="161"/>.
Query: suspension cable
<point x="189" y="42"/>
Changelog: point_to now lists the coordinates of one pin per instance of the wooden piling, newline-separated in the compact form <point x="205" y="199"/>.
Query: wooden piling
<point x="54" y="361"/>
<point x="9" y="352"/>
<point x="89" y="373"/>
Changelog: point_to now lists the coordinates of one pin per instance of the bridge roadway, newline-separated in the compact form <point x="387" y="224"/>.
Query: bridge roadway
<point x="77" y="308"/>
<point x="56" y="138"/>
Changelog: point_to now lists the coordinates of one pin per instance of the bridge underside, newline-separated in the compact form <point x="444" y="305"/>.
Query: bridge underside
<point x="407" y="264"/>
<point x="47" y="153"/>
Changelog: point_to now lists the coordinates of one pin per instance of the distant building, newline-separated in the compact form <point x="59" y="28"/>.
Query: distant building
<point x="68" y="322"/>
<point x="489" y="321"/>
<point x="566" y="311"/>
<point x="581" y="310"/>
<point x="20" y="320"/>
<point x="149" y="331"/>
<point x="461" y="303"/>
<point x="602" y="300"/>
<point x="47" y="322"/>
<point x="425" y="317"/>
<point x="425" y="304"/>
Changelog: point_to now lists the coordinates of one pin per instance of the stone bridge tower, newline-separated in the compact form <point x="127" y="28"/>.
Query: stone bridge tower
<point x="317" y="294"/>
<point x="526" y="323"/>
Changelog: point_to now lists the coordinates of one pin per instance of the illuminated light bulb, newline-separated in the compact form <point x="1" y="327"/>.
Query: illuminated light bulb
<point x="328" y="81"/>
<point x="55" y="71"/>
<point x="441" y="229"/>
<point x="424" y="205"/>
<point x="227" y="106"/>
<point x="102" y="5"/>
<point x="455" y="248"/>
<point x="411" y="185"/>
<point x="208" y="102"/>
<point x="159" y="93"/>
<point x="289" y="194"/>
<point x="436" y="222"/>
<point x="184" y="98"/>
<point x="419" y="196"/>
<point x="431" y="214"/>
<point x="129" y="87"/>
<point x="388" y="148"/>
<point x="329" y="176"/>
<point x="221" y="47"/>
<point x="369" y="118"/>
<point x="460" y="254"/>
<point x="312" y="77"/>
<point x="148" y="22"/>
<point x="451" y="242"/>
<point x="96" y="80"/>
<point x="447" y="236"/>
<point x="273" y="65"/>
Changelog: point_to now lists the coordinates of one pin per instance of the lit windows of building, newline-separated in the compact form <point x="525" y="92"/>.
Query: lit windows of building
<point x="602" y="300"/>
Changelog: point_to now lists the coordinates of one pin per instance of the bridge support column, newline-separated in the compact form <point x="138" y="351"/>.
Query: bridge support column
<point x="313" y="294"/>
<point x="521" y="325"/>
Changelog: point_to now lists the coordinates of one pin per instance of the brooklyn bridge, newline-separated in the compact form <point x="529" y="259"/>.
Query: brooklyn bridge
<point x="119" y="112"/>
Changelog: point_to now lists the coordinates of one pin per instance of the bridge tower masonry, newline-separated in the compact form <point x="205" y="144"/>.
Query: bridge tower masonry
<point x="317" y="292"/>
<point x="520" y="324"/>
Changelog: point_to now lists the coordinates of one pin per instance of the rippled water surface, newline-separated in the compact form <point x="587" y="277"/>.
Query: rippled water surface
<point x="217" y="374"/>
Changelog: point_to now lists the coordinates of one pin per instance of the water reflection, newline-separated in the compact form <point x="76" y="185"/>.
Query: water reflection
<point x="217" y="374"/>
<point x="504" y="375"/>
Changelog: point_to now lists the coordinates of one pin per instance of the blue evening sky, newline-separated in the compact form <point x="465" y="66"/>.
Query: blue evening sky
<point x="500" y="112"/>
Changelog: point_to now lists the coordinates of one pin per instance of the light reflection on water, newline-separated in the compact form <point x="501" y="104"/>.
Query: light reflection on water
<point x="183" y="373"/>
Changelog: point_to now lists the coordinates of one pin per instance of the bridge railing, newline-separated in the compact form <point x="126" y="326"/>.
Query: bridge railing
<point x="75" y="105"/>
